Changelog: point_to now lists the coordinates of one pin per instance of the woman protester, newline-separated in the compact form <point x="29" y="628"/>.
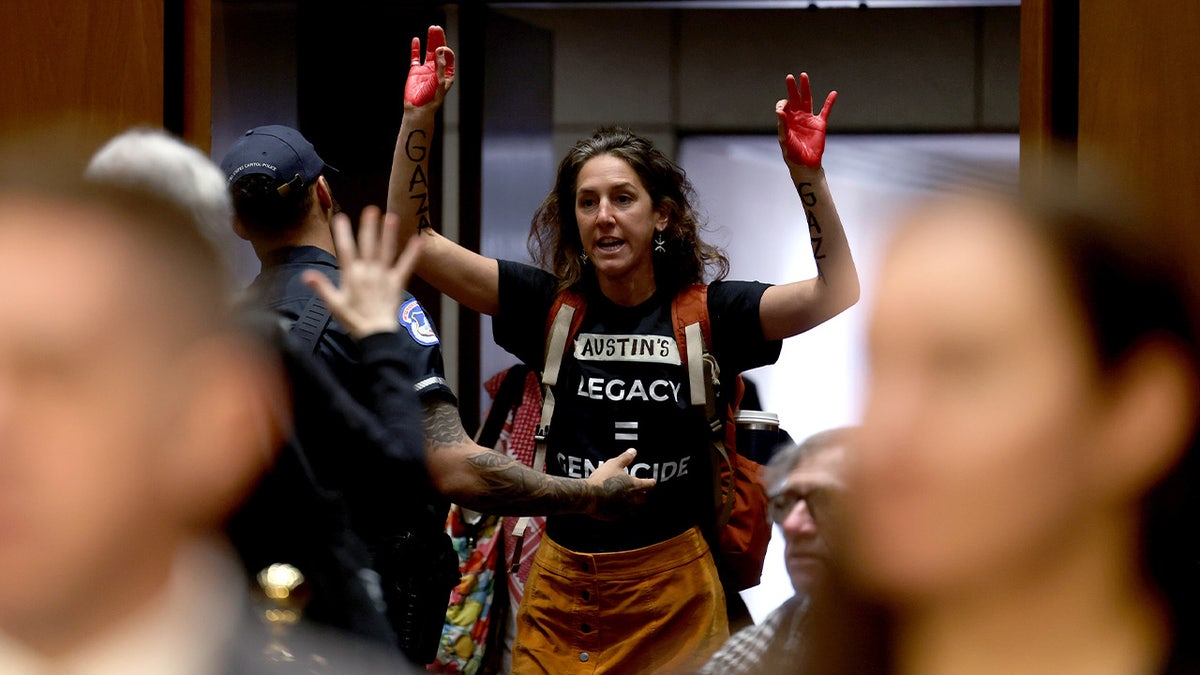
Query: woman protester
<point x="1024" y="490"/>
<point x="640" y="593"/>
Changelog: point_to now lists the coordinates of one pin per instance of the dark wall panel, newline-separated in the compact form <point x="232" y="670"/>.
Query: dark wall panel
<point x="352" y="61"/>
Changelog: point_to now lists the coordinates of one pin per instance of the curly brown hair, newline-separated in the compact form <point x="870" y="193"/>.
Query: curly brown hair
<point x="554" y="235"/>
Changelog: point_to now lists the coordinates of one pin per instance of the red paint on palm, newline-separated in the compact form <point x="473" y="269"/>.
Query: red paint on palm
<point x="424" y="83"/>
<point x="801" y="132"/>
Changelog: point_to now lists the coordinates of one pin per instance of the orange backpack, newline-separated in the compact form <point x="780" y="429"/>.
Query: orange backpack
<point x="742" y="528"/>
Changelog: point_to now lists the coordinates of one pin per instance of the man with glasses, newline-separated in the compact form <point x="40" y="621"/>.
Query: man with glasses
<point x="803" y="482"/>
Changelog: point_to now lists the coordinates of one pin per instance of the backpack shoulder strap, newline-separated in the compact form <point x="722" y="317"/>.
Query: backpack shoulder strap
<point x="508" y="397"/>
<point x="563" y="321"/>
<point x="691" y="306"/>
<point x="562" y="324"/>
<point x="693" y="333"/>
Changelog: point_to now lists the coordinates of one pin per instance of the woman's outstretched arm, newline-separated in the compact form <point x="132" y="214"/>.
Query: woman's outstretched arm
<point x="467" y="277"/>
<point x="793" y="308"/>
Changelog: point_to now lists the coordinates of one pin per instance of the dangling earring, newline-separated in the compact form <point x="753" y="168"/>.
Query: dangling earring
<point x="583" y="259"/>
<point x="660" y="243"/>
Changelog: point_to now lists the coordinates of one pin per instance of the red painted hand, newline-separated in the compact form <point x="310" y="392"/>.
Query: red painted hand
<point x="428" y="82"/>
<point x="801" y="133"/>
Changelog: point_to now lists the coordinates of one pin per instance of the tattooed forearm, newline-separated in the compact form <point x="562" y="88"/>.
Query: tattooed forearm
<point x="511" y="488"/>
<point x="489" y="481"/>
<point x="442" y="426"/>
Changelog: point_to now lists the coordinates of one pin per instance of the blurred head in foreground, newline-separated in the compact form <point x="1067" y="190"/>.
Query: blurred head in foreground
<point x="154" y="161"/>
<point x="804" y="484"/>
<point x="1026" y="474"/>
<point x="132" y="413"/>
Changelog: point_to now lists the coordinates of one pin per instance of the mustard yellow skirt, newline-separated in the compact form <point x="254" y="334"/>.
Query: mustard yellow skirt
<point x="658" y="609"/>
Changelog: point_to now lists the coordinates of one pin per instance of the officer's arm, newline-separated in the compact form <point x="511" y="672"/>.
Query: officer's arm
<point x="485" y="480"/>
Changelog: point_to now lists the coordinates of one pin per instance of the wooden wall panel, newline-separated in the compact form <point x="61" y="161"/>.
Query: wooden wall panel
<point x="1036" y="84"/>
<point x="1139" y="93"/>
<point x="197" y="73"/>
<point x="96" y="60"/>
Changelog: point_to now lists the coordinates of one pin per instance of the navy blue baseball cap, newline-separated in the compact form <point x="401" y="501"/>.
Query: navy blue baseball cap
<point x="276" y="151"/>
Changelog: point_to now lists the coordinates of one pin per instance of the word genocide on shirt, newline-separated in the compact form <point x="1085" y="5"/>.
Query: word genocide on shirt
<point x="582" y="467"/>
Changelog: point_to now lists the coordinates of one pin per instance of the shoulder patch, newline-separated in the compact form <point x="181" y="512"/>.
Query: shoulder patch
<point x="412" y="317"/>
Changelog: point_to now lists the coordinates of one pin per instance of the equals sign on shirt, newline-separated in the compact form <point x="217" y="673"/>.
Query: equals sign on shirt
<point x="626" y="431"/>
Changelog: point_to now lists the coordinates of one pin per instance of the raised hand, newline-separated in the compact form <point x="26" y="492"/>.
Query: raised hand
<point x="428" y="82"/>
<point x="618" y="492"/>
<point x="373" y="278"/>
<point x="802" y="133"/>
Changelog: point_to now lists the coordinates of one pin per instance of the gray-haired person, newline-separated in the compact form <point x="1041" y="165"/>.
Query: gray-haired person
<point x="296" y="514"/>
<point x="803" y="482"/>
<point x="152" y="160"/>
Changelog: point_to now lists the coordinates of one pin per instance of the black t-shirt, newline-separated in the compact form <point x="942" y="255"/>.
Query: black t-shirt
<point x="622" y="385"/>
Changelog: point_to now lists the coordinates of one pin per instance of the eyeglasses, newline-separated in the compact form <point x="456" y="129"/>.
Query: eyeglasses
<point x="820" y="503"/>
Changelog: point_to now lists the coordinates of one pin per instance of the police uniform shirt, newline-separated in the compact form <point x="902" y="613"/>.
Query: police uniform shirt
<point x="622" y="384"/>
<point x="381" y="485"/>
<point x="279" y="287"/>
